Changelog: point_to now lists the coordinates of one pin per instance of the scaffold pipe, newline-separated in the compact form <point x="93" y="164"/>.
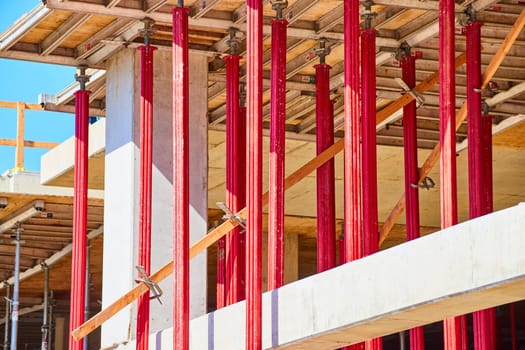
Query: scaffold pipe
<point x="181" y="262"/>
<point x="254" y="34"/>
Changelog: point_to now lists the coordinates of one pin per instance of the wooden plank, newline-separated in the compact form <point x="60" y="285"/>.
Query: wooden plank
<point x="97" y="320"/>
<point x="28" y="143"/>
<point x="20" y="127"/>
<point x="61" y="33"/>
<point x="460" y="117"/>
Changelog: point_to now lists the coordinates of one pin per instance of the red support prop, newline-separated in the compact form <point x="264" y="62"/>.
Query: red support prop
<point x="486" y="131"/>
<point x="484" y="320"/>
<point x="242" y="169"/>
<point x="181" y="247"/>
<point x="254" y="78"/>
<point x="447" y="86"/>
<point x="369" y="167"/>
<point x="276" y="159"/>
<point x="353" y="229"/>
<point x="408" y="65"/>
<point x="326" y="172"/>
<point x="146" y="162"/>
<point x="368" y="70"/>
<point x="78" y="264"/>
<point x="235" y="177"/>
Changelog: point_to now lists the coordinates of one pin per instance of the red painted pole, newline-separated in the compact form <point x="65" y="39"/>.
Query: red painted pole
<point x="484" y="320"/>
<point x="408" y="65"/>
<point x="181" y="247"/>
<point x="146" y="148"/>
<point x="486" y="130"/>
<point x="276" y="159"/>
<point x="242" y="195"/>
<point x="78" y="263"/>
<point x="353" y="228"/>
<point x="235" y="176"/>
<point x="369" y="180"/>
<point x="368" y="64"/>
<point x="326" y="172"/>
<point x="254" y="33"/>
<point x="352" y="125"/>
<point x="447" y="86"/>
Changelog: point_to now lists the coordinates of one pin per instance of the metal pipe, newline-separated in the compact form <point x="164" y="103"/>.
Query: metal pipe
<point x="45" y="322"/>
<point x="51" y="326"/>
<point x="86" y="300"/>
<point x="181" y="285"/>
<point x="326" y="172"/>
<point x="235" y="177"/>
<point x="78" y="263"/>
<point x="483" y="324"/>
<point x="242" y="195"/>
<point x="16" y="286"/>
<point x="486" y="131"/>
<point x="145" y="186"/>
<point x="7" y="313"/>
<point x="277" y="155"/>
<point x="368" y="64"/>
<point x="448" y="191"/>
<point x="254" y="35"/>
<point x="408" y="66"/>
<point x="352" y="125"/>
<point x="369" y="165"/>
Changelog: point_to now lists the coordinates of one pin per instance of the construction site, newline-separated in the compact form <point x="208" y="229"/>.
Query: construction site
<point x="301" y="174"/>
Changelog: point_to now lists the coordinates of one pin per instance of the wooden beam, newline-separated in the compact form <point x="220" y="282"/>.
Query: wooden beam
<point x="460" y="117"/>
<point x="202" y="7"/>
<point x="57" y="37"/>
<point x="93" y="43"/>
<point x="14" y="105"/>
<point x="23" y="26"/>
<point x="20" y="128"/>
<point x="28" y="143"/>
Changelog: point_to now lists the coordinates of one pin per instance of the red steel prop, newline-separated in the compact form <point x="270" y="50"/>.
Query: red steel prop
<point x="453" y="331"/>
<point x="276" y="159"/>
<point x="78" y="264"/>
<point x="369" y="167"/>
<point x="254" y="78"/>
<point x="325" y="173"/>
<point x="408" y="65"/>
<point x="483" y="321"/>
<point x="353" y="229"/>
<point x="235" y="177"/>
<point x="181" y="247"/>
<point x="146" y="148"/>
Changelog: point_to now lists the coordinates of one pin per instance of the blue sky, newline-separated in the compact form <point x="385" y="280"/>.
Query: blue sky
<point x="23" y="81"/>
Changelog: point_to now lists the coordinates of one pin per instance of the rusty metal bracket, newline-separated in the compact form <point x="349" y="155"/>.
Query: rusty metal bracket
<point x="154" y="288"/>
<point x="228" y="214"/>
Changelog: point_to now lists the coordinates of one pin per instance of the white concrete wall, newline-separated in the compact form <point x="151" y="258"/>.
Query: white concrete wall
<point x="121" y="184"/>
<point x="468" y="267"/>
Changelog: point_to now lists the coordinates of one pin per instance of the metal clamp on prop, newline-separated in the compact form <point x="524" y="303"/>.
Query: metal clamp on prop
<point x="420" y="100"/>
<point x="228" y="214"/>
<point x="153" y="286"/>
<point x="427" y="183"/>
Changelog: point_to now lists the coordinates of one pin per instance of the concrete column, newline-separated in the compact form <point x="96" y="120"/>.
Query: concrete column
<point x="121" y="186"/>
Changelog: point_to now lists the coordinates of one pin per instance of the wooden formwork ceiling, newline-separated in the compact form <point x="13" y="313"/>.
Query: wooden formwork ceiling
<point x="71" y="32"/>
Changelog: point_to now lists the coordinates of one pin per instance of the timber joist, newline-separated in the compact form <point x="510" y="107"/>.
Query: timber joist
<point x="73" y="32"/>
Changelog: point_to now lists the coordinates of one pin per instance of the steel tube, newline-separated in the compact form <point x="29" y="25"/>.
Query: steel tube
<point x="277" y="154"/>
<point x="484" y="320"/>
<point x="254" y="34"/>
<point x="16" y="288"/>
<point x="7" y="313"/>
<point x="181" y="286"/>
<point x="235" y="177"/>
<point x="369" y="161"/>
<point x="352" y="115"/>
<point x="408" y="66"/>
<point x="486" y="130"/>
<point x="145" y="185"/>
<point x="242" y="170"/>
<point x="325" y="173"/>
<point x="368" y="49"/>
<point x="87" y="300"/>
<point x="45" y="322"/>
<point x="78" y="265"/>
<point x="448" y="191"/>
<point x="353" y="229"/>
